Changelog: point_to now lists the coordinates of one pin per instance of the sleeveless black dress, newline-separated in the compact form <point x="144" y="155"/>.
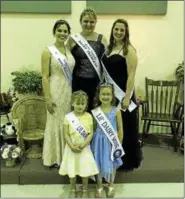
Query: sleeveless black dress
<point x="117" y="68"/>
<point x="84" y="75"/>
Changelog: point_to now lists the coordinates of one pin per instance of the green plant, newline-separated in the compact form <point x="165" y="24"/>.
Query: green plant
<point x="27" y="81"/>
<point x="180" y="72"/>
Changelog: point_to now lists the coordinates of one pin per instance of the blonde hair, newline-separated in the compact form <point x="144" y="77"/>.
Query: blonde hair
<point x="97" y="101"/>
<point x="88" y="11"/>
<point x="79" y="96"/>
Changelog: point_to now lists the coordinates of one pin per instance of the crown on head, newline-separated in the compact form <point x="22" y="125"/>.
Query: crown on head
<point x="106" y="84"/>
<point x="80" y="92"/>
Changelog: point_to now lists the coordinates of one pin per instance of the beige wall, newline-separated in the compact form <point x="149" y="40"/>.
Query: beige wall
<point x="159" y="40"/>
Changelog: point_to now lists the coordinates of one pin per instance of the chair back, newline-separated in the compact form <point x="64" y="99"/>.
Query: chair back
<point x="161" y="95"/>
<point x="32" y="112"/>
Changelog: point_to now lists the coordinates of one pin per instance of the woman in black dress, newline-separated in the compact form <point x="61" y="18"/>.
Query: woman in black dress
<point x="84" y="75"/>
<point x="121" y="63"/>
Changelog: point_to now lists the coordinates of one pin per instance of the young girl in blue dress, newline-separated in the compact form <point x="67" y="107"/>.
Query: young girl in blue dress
<point x="100" y="145"/>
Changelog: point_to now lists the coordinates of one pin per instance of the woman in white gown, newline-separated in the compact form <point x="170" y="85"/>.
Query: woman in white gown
<point x="57" y="92"/>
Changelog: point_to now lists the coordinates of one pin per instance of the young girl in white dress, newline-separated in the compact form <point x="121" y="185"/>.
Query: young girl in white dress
<point x="78" y="158"/>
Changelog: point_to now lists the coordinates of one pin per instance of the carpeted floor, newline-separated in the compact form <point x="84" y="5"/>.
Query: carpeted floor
<point x="160" y="165"/>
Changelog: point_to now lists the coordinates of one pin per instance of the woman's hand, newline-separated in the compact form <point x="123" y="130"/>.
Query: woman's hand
<point x="51" y="106"/>
<point x="125" y="103"/>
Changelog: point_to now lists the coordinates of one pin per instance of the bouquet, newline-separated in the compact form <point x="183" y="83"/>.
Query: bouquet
<point x="10" y="152"/>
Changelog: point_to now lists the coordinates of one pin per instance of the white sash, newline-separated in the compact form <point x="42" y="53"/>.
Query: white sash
<point x="106" y="126"/>
<point x="82" y="42"/>
<point x="118" y="91"/>
<point x="76" y="125"/>
<point x="62" y="62"/>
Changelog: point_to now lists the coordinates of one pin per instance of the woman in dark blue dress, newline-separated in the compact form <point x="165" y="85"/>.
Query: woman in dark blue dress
<point x="84" y="75"/>
<point x="121" y="63"/>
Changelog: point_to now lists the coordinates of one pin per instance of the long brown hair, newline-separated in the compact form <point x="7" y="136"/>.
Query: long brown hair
<point x="126" y="39"/>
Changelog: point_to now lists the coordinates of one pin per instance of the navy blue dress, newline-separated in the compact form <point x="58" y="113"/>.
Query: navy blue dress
<point x="84" y="75"/>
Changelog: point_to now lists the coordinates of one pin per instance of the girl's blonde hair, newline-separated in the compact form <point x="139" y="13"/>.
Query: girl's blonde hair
<point x="79" y="96"/>
<point x="97" y="101"/>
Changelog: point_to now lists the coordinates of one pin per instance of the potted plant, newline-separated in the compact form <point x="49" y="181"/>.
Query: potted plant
<point x="27" y="82"/>
<point x="179" y="72"/>
<point x="10" y="153"/>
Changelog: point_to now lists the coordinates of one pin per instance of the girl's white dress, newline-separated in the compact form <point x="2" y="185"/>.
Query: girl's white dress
<point x="83" y="163"/>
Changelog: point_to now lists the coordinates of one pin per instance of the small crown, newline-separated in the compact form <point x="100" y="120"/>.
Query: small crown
<point x="105" y="84"/>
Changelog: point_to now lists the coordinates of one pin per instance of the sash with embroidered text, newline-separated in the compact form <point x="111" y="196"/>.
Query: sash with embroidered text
<point x="62" y="62"/>
<point x="119" y="93"/>
<point x="106" y="126"/>
<point x="76" y="125"/>
<point x="82" y="42"/>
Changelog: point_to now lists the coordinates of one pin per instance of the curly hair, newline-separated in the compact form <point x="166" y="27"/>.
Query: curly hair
<point x="97" y="101"/>
<point x="88" y="11"/>
<point x="126" y="39"/>
<point x="79" y="96"/>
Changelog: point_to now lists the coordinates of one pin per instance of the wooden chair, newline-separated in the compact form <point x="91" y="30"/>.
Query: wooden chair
<point x="30" y="115"/>
<point x="161" y="105"/>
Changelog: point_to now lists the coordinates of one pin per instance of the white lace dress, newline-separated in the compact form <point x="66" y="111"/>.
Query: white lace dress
<point x="61" y="91"/>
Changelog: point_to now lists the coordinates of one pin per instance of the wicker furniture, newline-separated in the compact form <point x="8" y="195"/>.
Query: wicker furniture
<point x="30" y="113"/>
